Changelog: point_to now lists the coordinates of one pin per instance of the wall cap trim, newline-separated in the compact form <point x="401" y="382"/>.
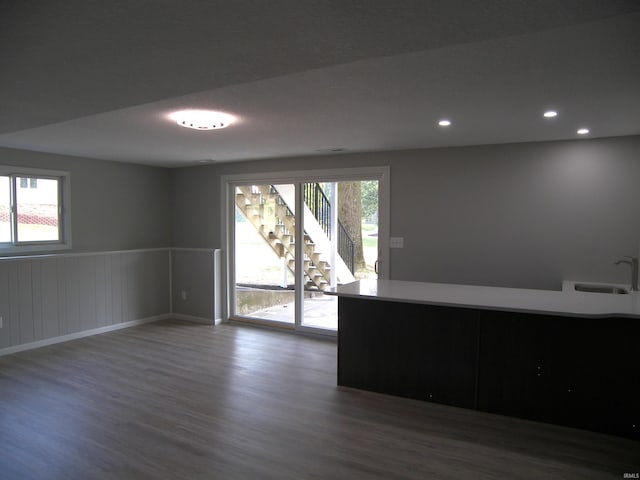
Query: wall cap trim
<point x="80" y="254"/>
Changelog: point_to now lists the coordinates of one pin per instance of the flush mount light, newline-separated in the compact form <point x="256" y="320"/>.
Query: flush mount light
<point x="444" y="123"/>
<point x="202" y="119"/>
<point x="582" y="131"/>
<point x="550" y="114"/>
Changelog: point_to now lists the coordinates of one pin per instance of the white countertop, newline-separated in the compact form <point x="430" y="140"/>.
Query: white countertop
<point x="566" y="303"/>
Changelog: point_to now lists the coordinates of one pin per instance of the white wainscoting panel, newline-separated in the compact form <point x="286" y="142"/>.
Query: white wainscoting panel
<point x="46" y="297"/>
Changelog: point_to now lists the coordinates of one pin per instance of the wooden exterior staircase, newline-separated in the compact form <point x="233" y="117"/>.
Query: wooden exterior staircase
<point x="265" y="209"/>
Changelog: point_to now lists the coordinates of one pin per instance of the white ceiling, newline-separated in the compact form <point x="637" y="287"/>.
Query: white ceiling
<point x="98" y="79"/>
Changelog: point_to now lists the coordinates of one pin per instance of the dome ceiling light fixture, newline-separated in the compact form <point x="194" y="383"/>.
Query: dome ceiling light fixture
<point x="202" y="119"/>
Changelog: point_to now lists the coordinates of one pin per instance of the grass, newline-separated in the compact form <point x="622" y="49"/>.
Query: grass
<point x="257" y="264"/>
<point x="369" y="247"/>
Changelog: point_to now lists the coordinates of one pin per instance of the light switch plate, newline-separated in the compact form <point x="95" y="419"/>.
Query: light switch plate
<point x="396" y="242"/>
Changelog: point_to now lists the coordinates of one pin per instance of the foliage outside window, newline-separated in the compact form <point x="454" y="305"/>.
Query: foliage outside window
<point x="34" y="210"/>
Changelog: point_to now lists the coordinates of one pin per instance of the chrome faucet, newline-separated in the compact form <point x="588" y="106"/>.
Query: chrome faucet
<point x="633" y="263"/>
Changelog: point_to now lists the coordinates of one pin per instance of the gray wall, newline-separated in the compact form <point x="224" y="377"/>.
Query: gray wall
<point x="194" y="272"/>
<point x="520" y="215"/>
<point x="114" y="206"/>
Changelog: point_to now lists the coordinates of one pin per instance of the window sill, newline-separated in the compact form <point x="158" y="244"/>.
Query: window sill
<point x="26" y="250"/>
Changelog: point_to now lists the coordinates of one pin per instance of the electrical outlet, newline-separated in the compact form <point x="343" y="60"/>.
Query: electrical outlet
<point x="396" y="242"/>
<point x="183" y="295"/>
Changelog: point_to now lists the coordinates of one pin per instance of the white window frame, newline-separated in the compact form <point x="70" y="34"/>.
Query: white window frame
<point x="64" y="206"/>
<point x="298" y="177"/>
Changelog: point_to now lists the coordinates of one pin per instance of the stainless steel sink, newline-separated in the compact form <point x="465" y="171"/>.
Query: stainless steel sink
<point x="581" y="287"/>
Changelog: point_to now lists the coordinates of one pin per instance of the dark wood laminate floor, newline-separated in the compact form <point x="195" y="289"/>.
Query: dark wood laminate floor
<point x="174" y="400"/>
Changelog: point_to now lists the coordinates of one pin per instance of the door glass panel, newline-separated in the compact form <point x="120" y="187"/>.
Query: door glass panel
<point x="265" y="252"/>
<point x="369" y="226"/>
<point x="37" y="209"/>
<point x="341" y="243"/>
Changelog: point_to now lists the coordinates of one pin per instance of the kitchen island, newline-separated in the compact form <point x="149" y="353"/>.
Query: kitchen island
<point x="570" y="358"/>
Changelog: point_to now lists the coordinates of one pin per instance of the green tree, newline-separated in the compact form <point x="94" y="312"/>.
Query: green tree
<point x="369" y="199"/>
<point x="350" y="214"/>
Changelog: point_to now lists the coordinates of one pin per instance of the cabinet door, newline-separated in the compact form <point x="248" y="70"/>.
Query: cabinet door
<point x="449" y="341"/>
<point x="597" y="379"/>
<point x="583" y="373"/>
<point x="513" y="378"/>
<point x="618" y="365"/>
<point x="568" y="370"/>
<point x="410" y="350"/>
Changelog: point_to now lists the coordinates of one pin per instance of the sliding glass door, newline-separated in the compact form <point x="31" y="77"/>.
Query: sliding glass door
<point x="291" y="241"/>
<point x="341" y="224"/>
<point x="264" y="228"/>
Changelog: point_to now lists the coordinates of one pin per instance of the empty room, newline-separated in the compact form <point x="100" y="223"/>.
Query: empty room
<point x="301" y="239"/>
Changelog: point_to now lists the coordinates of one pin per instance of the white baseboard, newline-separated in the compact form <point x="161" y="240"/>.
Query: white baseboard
<point x="84" y="333"/>
<point x="191" y="318"/>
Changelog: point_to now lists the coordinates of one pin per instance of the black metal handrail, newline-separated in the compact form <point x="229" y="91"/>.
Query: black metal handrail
<point x="346" y="247"/>
<point x="318" y="203"/>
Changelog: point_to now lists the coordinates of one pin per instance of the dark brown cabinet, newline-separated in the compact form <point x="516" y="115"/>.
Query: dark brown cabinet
<point x="579" y="372"/>
<point x="407" y="350"/>
<point x="512" y="371"/>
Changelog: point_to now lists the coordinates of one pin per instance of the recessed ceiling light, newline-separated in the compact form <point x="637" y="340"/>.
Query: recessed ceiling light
<point x="202" y="119"/>
<point x="582" y="131"/>
<point x="444" y="123"/>
<point x="550" y="114"/>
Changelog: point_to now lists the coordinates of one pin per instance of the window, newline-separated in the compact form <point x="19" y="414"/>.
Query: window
<point x="34" y="210"/>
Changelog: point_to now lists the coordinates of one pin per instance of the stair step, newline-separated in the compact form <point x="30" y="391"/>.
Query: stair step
<point x="313" y="286"/>
<point x="259" y="208"/>
<point x="306" y="264"/>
